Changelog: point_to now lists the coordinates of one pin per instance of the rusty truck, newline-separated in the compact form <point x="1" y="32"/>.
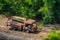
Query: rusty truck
<point x="22" y="24"/>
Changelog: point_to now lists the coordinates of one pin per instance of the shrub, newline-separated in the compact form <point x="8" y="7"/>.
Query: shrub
<point x="54" y="35"/>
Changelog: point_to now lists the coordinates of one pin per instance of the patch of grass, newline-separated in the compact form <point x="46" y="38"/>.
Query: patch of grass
<point x="53" y="35"/>
<point x="40" y="24"/>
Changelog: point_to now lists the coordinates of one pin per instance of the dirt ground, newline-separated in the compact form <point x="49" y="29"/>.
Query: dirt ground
<point x="4" y="29"/>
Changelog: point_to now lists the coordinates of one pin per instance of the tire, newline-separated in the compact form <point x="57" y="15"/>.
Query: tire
<point x="13" y="28"/>
<point x="20" y="29"/>
<point x="27" y="31"/>
<point x="35" y="31"/>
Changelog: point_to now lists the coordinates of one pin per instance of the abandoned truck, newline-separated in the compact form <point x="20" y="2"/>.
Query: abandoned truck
<point x="22" y="24"/>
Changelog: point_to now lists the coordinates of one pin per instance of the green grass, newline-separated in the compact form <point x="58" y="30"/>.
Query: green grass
<point x="41" y="24"/>
<point x="53" y="35"/>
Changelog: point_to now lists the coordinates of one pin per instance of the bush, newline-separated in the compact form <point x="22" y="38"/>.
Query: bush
<point x="54" y="35"/>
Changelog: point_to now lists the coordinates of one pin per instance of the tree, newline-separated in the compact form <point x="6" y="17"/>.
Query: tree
<point x="46" y="10"/>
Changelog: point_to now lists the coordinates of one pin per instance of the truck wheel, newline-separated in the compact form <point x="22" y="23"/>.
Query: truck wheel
<point x="20" y="29"/>
<point x="13" y="28"/>
<point x="27" y="31"/>
<point x="35" y="31"/>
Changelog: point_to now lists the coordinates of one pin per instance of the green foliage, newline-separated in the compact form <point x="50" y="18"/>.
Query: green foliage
<point x="48" y="10"/>
<point x="54" y="35"/>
